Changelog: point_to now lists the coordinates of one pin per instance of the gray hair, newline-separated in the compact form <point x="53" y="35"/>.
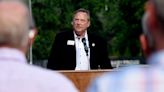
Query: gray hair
<point x="14" y="27"/>
<point x="83" y="10"/>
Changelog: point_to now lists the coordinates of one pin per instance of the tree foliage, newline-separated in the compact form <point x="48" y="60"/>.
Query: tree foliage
<point x="118" y="21"/>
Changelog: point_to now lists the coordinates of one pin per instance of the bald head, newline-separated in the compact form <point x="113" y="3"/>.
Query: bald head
<point x="14" y="23"/>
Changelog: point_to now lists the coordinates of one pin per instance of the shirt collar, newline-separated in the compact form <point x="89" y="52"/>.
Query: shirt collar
<point x="85" y="35"/>
<point x="157" y="58"/>
<point x="11" y="54"/>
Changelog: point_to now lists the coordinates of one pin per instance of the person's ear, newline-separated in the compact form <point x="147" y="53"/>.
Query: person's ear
<point x="145" y="45"/>
<point x="32" y="34"/>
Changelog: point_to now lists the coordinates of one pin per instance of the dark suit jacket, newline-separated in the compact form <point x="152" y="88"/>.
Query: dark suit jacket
<point x="63" y="56"/>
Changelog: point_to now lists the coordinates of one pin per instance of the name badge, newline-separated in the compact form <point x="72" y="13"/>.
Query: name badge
<point x="70" y="42"/>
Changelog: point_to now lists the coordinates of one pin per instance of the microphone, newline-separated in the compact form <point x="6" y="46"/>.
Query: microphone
<point x="85" y="46"/>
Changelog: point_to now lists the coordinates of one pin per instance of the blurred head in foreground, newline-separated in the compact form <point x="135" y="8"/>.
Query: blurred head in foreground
<point x="15" y="25"/>
<point x="141" y="78"/>
<point x="16" y="34"/>
<point x="153" y="27"/>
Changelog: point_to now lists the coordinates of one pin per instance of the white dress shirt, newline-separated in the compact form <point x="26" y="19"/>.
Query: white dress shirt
<point x="82" y="60"/>
<point x="18" y="76"/>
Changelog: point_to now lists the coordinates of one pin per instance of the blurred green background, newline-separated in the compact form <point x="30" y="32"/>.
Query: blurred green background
<point x="118" y="21"/>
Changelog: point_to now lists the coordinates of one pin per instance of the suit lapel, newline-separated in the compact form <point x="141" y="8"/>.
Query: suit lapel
<point x="90" y="38"/>
<point x="70" y="36"/>
<point x="71" y="48"/>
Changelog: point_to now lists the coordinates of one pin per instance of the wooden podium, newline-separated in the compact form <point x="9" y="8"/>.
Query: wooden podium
<point x="82" y="79"/>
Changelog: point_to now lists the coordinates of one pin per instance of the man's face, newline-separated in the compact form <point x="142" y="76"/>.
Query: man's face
<point x="80" y="23"/>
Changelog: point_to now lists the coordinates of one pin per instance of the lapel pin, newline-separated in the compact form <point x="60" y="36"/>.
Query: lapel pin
<point x="93" y="44"/>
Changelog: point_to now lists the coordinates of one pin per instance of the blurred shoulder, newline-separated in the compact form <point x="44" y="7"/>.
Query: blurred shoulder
<point x="52" y="79"/>
<point x="133" y="70"/>
<point x="118" y="79"/>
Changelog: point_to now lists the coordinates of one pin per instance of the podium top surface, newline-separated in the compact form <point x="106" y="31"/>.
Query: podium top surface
<point x="86" y="71"/>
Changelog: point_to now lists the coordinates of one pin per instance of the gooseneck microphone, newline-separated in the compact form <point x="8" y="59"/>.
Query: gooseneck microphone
<point x="85" y="46"/>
